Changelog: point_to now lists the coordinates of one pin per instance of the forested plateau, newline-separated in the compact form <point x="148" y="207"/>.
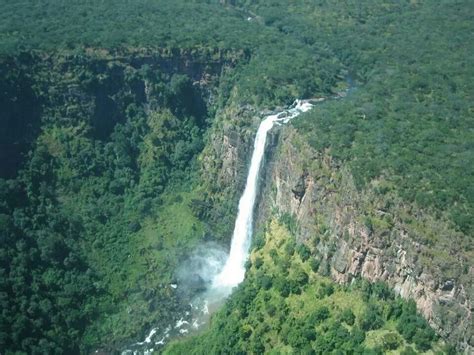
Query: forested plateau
<point x="126" y="130"/>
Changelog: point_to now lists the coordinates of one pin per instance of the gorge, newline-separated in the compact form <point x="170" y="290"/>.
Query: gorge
<point x="232" y="272"/>
<point x="152" y="180"/>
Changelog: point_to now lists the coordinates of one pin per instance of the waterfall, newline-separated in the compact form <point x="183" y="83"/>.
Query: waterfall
<point x="233" y="271"/>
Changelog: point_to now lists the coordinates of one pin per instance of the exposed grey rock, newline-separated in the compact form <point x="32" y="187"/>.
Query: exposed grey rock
<point x="389" y="251"/>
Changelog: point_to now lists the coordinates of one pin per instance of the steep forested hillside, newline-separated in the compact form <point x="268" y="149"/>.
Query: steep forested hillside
<point x="285" y="306"/>
<point x="79" y="221"/>
<point x="125" y="129"/>
<point x="100" y="131"/>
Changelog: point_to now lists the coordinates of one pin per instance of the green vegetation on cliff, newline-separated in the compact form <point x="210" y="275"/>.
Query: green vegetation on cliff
<point x="97" y="220"/>
<point x="284" y="306"/>
<point x="106" y="107"/>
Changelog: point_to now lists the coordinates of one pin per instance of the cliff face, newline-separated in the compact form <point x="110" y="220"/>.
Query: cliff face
<point x="225" y="161"/>
<point x="371" y="234"/>
<point x="98" y="86"/>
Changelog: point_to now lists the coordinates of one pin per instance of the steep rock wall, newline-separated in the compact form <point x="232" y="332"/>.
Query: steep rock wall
<point x="97" y="86"/>
<point x="371" y="234"/>
<point x="225" y="162"/>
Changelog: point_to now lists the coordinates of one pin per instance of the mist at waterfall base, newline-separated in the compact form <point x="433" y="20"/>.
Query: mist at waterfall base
<point x="209" y="273"/>
<point x="196" y="275"/>
<point x="209" y="265"/>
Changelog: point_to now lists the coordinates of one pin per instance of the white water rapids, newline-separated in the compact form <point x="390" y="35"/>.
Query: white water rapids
<point x="234" y="269"/>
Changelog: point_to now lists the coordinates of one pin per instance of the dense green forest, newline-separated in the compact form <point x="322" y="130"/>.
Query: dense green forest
<point x="412" y="122"/>
<point x="79" y="223"/>
<point x="101" y="128"/>
<point x="284" y="306"/>
<point x="106" y="110"/>
<point x="280" y="68"/>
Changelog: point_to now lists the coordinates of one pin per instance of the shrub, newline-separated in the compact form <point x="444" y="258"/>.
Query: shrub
<point x="282" y="286"/>
<point x="274" y="255"/>
<point x="290" y="248"/>
<point x="303" y="251"/>
<point x="320" y="314"/>
<point x="371" y="319"/>
<point x="423" y="338"/>
<point x="271" y="309"/>
<point x="301" y="277"/>
<point x="265" y="282"/>
<point x="325" y="290"/>
<point x="314" y="263"/>
<point x="391" y="341"/>
<point x="259" y="241"/>
<point x="348" y="317"/>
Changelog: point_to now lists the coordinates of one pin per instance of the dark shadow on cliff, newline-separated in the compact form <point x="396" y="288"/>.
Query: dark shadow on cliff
<point x="20" y="109"/>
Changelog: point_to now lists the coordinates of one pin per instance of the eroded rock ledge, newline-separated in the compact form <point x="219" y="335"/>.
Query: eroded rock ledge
<point x="372" y="234"/>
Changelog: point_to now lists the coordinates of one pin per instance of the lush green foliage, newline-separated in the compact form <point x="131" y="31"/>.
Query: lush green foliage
<point x="108" y="187"/>
<point x="96" y="222"/>
<point x="47" y="290"/>
<point x="411" y="119"/>
<point x="100" y="198"/>
<point x="281" y="309"/>
<point x="279" y="70"/>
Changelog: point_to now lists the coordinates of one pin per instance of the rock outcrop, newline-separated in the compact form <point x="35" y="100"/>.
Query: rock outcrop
<point x="224" y="165"/>
<point x="372" y="234"/>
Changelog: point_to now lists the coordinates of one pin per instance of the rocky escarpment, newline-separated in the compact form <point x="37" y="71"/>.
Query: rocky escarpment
<point x="372" y="234"/>
<point x="100" y="87"/>
<point x="224" y="164"/>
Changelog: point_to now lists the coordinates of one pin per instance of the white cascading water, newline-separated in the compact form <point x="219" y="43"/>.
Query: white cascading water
<point x="234" y="269"/>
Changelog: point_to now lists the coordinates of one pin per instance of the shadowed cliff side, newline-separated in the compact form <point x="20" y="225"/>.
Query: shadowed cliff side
<point x="105" y="147"/>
